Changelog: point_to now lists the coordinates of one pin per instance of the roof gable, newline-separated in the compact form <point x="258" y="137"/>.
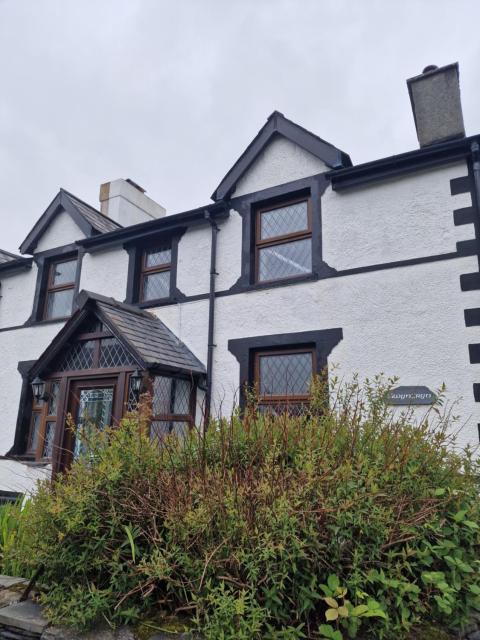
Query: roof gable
<point x="90" y="221"/>
<point x="278" y="125"/>
<point x="144" y="336"/>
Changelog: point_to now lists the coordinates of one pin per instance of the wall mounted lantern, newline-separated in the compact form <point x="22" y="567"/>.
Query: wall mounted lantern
<point x="38" y="388"/>
<point x="136" y="382"/>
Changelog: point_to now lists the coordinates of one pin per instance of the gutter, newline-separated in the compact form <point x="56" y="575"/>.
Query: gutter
<point x="13" y="266"/>
<point x="401" y="164"/>
<point x="144" y="230"/>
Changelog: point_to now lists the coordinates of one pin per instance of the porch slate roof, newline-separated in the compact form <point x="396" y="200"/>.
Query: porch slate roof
<point x="144" y="335"/>
<point x="147" y="335"/>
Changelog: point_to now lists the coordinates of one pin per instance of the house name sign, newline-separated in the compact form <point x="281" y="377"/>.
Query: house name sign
<point x="410" y="396"/>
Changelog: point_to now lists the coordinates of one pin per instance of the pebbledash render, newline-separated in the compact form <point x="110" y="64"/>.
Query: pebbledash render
<point x="302" y="261"/>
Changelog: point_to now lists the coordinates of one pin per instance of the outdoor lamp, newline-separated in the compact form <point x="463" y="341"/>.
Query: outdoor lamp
<point x="136" y="381"/>
<point x="38" y="388"/>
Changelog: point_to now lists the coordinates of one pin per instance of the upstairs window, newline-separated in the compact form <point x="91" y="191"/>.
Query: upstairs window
<point x="283" y="241"/>
<point x="60" y="289"/>
<point x="155" y="274"/>
<point x="283" y="378"/>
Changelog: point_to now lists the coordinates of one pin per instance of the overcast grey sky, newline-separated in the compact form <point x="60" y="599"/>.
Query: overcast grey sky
<point x="169" y="92"/>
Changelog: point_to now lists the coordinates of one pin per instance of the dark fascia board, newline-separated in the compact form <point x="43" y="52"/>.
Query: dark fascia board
<point x="401" y="164"/>
<point x="144" y="230"/>
<point x="60" y="203"/>
<point x="14" y="266"/>
<point x="277" y="124"/>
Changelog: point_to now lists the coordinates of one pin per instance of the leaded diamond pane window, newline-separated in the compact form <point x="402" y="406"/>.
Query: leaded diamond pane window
<point x="34" y="432"/>
<point x="284" y="241"/>
<point x="79" y="356"/>
<point x="171" y="396"/>
<point x="155" y="274"/>
<point x="53" y="398"/>
<point x="285" y="260"/>
<point x="113" y="354"/>
<point x="161" y="428"/>
<point x="48" y="440"/>
<point x="157" y="257"/>
<point x="156" y="285"/>
<point x="283" y="380"/>
<point x="284" y="220"/>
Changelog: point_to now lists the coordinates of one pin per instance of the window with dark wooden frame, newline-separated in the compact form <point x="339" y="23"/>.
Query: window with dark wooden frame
<point x="283" y="240"/>
<point x="155" y="273"/>
<point x="283" y="378"/>
<point x="60" y="289"/>
<point x="43" y="423"/>
<point x="173" y="402"/>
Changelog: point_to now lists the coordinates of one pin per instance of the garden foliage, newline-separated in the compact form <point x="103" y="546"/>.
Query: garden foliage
<point x="351" y="521"/>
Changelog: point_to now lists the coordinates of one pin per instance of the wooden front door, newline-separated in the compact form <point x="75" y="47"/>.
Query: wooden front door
<point x="92" y="405"/>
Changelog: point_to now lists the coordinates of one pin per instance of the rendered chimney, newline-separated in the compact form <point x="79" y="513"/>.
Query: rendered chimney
<point x="436" y="104"/>
<point x="125" y="202"/>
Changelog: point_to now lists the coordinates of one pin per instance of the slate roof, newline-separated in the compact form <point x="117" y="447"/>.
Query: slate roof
<point x="100" y="222"/>
<point x="147" y="336"/>
<point x="144" y="335"/>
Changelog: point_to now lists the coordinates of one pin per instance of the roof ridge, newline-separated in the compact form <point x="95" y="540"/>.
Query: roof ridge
<point x="98" y="297"/>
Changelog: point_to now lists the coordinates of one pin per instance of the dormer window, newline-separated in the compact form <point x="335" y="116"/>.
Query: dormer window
<point x="155" y="274"/>
<point x="283" y="241"/>
<point x="60" y="289"/>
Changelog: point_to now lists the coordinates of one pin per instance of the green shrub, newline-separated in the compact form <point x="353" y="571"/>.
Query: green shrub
<point x="10" y="518"/>
<point x="351" y="521"/>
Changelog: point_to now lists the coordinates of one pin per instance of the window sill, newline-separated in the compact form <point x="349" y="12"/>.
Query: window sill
<point x="272" y="284"/>
<point x="159" y="302"/>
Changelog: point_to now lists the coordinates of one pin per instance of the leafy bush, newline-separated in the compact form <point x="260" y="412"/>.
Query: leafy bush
<point x="351" y="521"/>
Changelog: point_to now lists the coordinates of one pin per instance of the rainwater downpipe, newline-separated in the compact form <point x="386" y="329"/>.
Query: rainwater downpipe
<point x="211" y="315"/>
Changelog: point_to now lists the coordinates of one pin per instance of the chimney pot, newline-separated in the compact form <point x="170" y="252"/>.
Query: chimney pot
<point x="436" y="104"/>
<point x="430" y="67"/>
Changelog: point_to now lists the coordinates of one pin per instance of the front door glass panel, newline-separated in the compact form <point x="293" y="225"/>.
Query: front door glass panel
<point x="94" y="412"/>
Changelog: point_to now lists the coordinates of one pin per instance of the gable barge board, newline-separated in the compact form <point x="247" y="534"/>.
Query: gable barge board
<point x="278" y="125"/>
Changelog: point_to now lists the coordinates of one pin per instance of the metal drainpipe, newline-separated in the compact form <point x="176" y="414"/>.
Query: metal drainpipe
<point x="475" y="149"/>
<point x="211" y="316"/>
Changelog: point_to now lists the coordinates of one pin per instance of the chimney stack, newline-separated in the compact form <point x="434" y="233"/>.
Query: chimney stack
<point x="125" y="202"/>
<point x="436" y="104"/>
